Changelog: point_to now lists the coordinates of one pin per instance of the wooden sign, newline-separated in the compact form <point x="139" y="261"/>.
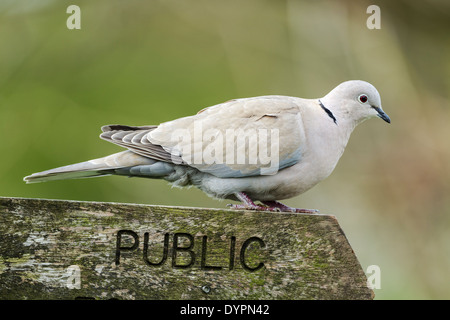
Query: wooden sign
<point x="54" y="249"/>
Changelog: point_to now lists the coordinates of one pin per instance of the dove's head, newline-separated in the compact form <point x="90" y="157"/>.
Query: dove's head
<point x="355" y="101"/>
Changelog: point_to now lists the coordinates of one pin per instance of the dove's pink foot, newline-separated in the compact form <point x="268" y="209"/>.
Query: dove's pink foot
<point x="273" y="206"/>
<point x="248" y="204"/>
<point x="254" y="207"/>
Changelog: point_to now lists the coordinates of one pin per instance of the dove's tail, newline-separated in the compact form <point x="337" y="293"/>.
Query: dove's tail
<point x="122" y="163"/>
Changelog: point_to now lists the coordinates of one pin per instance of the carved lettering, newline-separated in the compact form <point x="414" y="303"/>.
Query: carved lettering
<point x="204" y="266"/>
<point x="244" y="248"/>
<point x="165" y="250"/>
<point x="119" y="247"/>
<point x="185" y="248"/>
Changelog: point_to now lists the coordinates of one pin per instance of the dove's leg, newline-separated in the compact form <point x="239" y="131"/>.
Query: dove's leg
<point x="248" y="204"/>
<point x="285" y="208"/>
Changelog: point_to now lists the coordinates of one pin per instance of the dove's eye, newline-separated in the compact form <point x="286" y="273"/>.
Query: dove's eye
<point x="363" y="98"/>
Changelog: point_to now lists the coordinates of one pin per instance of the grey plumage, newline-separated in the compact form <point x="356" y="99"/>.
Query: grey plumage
<point x="307" y="136"/>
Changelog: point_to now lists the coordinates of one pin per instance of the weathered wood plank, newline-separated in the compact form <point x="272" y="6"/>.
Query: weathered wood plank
<point x="53" y="249"/>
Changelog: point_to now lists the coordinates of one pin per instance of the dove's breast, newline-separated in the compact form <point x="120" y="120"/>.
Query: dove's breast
<point x="323" y="144"/>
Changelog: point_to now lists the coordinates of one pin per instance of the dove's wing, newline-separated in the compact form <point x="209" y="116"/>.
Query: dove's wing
<point x="136" y="140"/>
<point x="238" y="138"/>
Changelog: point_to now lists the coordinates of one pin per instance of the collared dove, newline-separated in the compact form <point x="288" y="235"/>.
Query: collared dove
<point x="265" y="148"/>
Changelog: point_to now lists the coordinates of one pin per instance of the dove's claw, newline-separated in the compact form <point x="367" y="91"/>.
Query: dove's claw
<point x="285" y="208"/>
<point x="273" y="206"/>
<point x="310" y="211"/>
<point x="248" y="204"/>
<point x="250" y="207"/>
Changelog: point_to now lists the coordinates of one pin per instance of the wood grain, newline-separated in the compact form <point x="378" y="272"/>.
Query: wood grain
<point x="55" y="249"/>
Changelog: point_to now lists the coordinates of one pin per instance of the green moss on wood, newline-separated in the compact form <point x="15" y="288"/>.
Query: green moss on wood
<point x="305" y="256"/>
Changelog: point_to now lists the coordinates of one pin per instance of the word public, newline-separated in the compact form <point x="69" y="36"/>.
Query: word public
<point x="179" y="247"/>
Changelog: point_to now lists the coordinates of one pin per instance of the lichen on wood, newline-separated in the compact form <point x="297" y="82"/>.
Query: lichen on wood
<point x="56" y="249"/>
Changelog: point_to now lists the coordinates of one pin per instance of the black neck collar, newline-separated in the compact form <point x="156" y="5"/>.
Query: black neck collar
<point x="328" y="111"/>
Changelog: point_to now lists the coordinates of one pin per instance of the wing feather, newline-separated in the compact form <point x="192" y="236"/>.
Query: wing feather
<point x="177" y="141"/>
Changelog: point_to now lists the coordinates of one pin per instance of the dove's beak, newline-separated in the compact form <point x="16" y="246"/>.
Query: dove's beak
<point x="381" y="114"/>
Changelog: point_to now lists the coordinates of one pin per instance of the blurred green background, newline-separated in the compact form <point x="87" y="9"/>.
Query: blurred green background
<point x="145" y="62"/>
